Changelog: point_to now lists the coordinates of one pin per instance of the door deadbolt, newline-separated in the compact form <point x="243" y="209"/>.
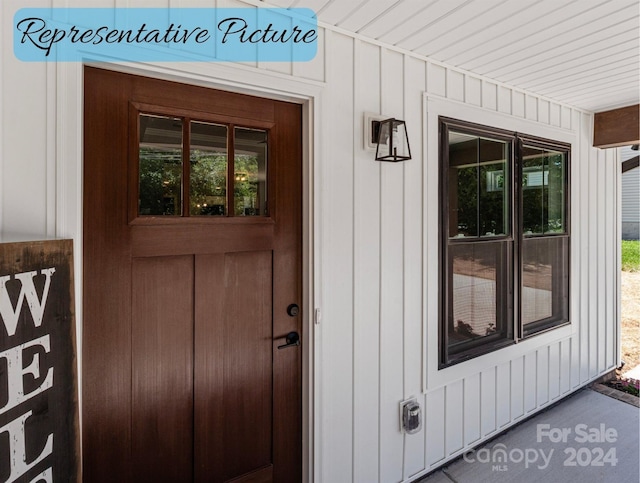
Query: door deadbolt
<point x="293" y="310"/>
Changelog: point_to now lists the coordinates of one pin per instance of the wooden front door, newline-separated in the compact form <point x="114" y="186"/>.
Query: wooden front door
<point x="192" y="278"/>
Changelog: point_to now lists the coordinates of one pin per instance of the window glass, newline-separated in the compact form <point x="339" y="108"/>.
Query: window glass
<point x="250" y="172"/>
<point x="478" y="294"/>
<point x="210" y="184"/>
<point x="545" y="282"/>
<point x="493" y="192"/>
<point x="160" y="165"/>
<point x="478" y="194"/>
<point x="208" y="161"/>
<point x="463" y="185"/>
<point x="543" y="186"/>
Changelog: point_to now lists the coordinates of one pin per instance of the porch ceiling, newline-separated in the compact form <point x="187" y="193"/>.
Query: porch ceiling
<point x="581" y="52"/>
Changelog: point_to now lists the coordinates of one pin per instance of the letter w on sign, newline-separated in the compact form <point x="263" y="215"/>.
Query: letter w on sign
<point x="10" y="315"/>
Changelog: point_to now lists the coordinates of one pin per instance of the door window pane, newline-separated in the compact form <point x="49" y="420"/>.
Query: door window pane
<point x="250" y="172"/>
<point x="213" y="184"/>
<point x="160" y="165"/>
<point x="208" y="162"/>
<point x="543" y="187"/>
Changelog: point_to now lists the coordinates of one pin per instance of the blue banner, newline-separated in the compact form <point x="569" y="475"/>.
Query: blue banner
<point x="165" y="34"/>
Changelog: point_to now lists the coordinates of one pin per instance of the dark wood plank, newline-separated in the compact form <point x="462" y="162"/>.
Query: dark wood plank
<point x="209" y="345"/>
<point x="162" y="368"/>
<point x="180" y="239"/>
<point x="200" y="99"/>
<point x="287" y="272"/>
<point x="106" y="335"/>
<point x="618" y="127"/>
<point x="233" y="374"/>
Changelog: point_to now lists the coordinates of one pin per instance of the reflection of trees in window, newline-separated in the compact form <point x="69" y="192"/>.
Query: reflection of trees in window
<point x="467" y="200"/>
<point x="245" y="191"/>
<point x="480" y="198"/>
<point x="208" y="182"/>
<point x="160" y="181"/>
<point x="543" y="192"/>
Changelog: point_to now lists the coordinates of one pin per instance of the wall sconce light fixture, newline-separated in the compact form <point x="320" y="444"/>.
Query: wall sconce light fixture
<point x="392" y="141"/>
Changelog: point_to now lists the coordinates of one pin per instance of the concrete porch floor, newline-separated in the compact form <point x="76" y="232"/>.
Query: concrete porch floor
<point x="588" y="437"/>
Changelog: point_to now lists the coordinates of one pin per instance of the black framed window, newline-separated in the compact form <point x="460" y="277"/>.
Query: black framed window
<point x="504" y="238"/>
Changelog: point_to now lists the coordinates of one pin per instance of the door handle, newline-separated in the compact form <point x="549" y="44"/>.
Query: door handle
<point x="292" y="338"/>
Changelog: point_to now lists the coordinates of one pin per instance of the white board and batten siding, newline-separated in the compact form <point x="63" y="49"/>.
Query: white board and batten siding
<point x="375" y="226"/>
<point x="377" y="349"/>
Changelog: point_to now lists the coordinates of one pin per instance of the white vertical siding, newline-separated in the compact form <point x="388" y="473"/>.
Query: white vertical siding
<point x="366" y="356"/>
<point x="582" y="211"/>
<point x="488" y="401"/>
<point x="564" y="383"/>
<point x="471" y="409"/>
<point x="530" y="385"/>
<point x="518" y="104"/>
<point x="414" y="85"/>
<point x="378" y="271"/>
<point x="489" y="95"/>
<point x="554" y="371"/>
<point x="600" y="320"/>
<point x="391" y="281"/>
<point x="314" y="69"/>
<point x="517" y="387"/>
<point x="454" y="417"/>
<point x="609" y="274"/>
<point x="26" y="147"/>
<point x="531" y="107"/>
<point x="594" y="228"/>
<point x="503" y="394"/>
<point x="473" y="91"/>
<point x="542" y="376"/>
<point x="336" y="374"/>
<point x="435" y="427"/>
<point x="504" y="99"/>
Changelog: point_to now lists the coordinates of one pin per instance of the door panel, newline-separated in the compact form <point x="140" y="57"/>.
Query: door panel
<point x="233" y="318"/>
<point x="162" y="368"/>
<point x="183" y="315"/>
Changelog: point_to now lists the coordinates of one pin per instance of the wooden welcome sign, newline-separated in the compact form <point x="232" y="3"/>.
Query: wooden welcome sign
<point x="38" y="384"/>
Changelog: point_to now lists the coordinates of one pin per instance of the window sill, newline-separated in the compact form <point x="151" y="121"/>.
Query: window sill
<point x="438" y="375"/>
<point x="475" y="353"/>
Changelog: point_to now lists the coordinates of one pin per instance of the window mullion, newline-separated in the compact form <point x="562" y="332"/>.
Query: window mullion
<point x="186" y="165"/>
<point x="478" y="232"/>
<point x="516" y="177"/>
<point x="231" y="156"/>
